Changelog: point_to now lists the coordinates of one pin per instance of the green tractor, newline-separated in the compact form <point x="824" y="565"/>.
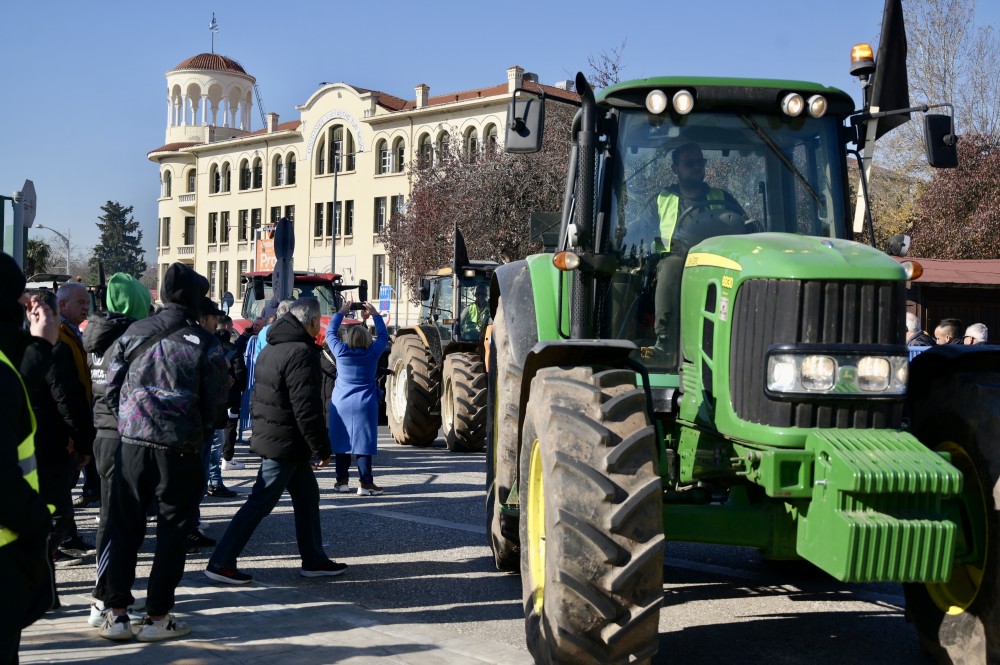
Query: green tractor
<point x="436" y="371"/>
<point x="707" y="357"/>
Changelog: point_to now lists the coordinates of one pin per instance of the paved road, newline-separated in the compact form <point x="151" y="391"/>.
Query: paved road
<point x="422" y="588"/>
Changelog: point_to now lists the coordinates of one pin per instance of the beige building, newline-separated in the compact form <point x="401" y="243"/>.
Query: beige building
<point x="221" y="182"/>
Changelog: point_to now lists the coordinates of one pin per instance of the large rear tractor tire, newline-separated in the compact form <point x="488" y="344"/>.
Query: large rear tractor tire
<point x="463" y="402"/>
<point x="501" y="456"/>
<point x="412" y="393"/>
<point x="959" y="621"/>
<point x="591" y="519"/>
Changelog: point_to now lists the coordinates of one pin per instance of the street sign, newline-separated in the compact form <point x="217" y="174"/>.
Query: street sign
<point x="29" y="203"/>
<point x="384" y="297"/>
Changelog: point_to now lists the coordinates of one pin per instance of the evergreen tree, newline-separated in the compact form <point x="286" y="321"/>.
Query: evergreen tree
<point x="120" y="246"/>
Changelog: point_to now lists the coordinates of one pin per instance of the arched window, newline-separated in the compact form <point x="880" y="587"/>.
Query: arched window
<point x="258" y="173"/>
<point x="214" y="179"/>
<point x="191" y="179"/>
<point x="227" y="177"/>
<point x="425" y="151"/>
<point x="399" y="155"/>
<point x="278" y="168"/>
<point x="321" y="157"/>
<point x="490" y="137"/>
<point x="384" y="157"/>
<point x="471" y="142"/>
<point x="337" y="148"/>
<point x="166" y="184"/>
<point x="245" y="175"/>
<point x="443" y="147"/>
<point x="290" y="169"/>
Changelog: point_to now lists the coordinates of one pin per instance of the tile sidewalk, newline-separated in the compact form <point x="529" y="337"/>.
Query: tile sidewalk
<point x="260" y="623"/>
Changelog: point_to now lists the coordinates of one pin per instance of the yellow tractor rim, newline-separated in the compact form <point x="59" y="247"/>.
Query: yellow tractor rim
<point x="957" y="594"/>
<point x="536" y="526"/>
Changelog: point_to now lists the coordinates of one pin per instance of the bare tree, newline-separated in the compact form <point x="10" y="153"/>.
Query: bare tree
<point x="606" y="67"/>
<point x="490" y="195"/>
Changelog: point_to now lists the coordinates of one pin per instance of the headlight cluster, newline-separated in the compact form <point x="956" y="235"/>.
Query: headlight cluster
<point x="836" y="374"/>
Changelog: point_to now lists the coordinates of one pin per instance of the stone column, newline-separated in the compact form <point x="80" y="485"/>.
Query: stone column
<point x="204" y="109"/>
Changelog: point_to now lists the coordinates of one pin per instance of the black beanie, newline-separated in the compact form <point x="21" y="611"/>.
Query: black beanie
<point x="183" y="286"/>
<point x="11" y="289"/>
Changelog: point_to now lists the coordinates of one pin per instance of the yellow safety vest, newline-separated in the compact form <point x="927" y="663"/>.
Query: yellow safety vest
<point x="471" y="324"/>
<point x="25" y="453"/>
<point x="667" y="204"/>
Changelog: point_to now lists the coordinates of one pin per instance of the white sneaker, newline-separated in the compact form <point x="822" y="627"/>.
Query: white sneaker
<point x="166" y="628"/>
<point x="115" y="628"/>
<point x="232" y="464"/>
<point x="98" y="616"/>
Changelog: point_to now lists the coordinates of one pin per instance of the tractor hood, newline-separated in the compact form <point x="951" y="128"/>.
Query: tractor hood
<point x="789" y="256"/>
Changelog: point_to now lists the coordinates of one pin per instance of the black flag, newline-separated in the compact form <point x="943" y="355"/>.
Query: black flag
<point x="283" y="277"/>
<point x="890" y="88"/>
<point x="461" y="253"/>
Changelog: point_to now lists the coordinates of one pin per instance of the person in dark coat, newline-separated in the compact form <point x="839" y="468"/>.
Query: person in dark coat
<point x="287" y="432"/>
<point x="63" y="414"/>
<point x="128" y="301"/>
<point x="353" y="419"/>
<point x="165" y="383"/>
<point x="915" y="336"/>
<point x="24" y="516"/>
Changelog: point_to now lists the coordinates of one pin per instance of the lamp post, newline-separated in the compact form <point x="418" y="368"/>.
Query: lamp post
<point x="64" y="238"/>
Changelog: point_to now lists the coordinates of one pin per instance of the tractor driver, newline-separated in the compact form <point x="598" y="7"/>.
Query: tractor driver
<point x="475" y="315"/>
<point x="689" y="211"/>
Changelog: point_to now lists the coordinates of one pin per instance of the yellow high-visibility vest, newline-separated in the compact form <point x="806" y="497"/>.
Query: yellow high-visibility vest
<point x="25" y="453"/>
<point x="471" y="325"/>
<point x="667" y="204"/>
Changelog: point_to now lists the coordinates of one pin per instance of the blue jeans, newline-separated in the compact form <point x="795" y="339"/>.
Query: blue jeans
<point x="342" y="463"/>
<point x="274" y="478"/>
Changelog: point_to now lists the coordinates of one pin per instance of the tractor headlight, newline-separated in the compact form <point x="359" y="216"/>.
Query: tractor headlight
<point x="815" y="371"/>
<point x="818" y="372"/>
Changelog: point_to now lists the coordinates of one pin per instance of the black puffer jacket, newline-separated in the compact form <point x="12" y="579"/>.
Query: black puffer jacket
<point x="102" y="331"/>
<point x="287" y="407"/>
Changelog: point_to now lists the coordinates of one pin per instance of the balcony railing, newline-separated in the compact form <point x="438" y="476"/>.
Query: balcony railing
<point x="189" y="249"/>
<point x="187" y="200"/>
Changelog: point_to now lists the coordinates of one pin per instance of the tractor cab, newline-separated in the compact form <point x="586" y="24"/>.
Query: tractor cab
<point x="457" y="304"/>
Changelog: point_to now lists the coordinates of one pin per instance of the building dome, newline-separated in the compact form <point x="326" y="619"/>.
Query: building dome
<point x="212" y="62"/>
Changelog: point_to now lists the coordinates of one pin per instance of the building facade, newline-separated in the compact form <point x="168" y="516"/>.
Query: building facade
<point x="338" y="172"/>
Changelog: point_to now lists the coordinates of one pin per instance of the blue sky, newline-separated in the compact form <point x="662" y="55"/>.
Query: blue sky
<point x="85" y="96"/>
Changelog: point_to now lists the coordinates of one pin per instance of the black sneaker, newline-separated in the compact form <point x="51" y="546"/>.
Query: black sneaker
<point x="227" y="575"/>
<point x="63" y="559"/>
<point x="328" y="569"/>
<point x="85" y="500"/>
<point x="197" y="539"/>
<point x="221" y="492"/>
<point x="77" y="546"/>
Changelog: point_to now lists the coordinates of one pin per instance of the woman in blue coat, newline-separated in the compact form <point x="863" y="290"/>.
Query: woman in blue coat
<point x="353" y="423"/>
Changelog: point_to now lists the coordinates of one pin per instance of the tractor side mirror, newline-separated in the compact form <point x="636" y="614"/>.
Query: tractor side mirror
<point x="425" y="290"/>
<point x="258" y="289"/>
<point x="940" y="141"/>
<point x="525" y="122"/>
<point x="899" y="245"/>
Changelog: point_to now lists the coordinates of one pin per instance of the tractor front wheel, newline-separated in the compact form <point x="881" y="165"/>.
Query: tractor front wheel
<point x="463" y="402"/>
<point x="591" y="519"/>
<point x="959" y="621"/>
<point x="412" y="393"/>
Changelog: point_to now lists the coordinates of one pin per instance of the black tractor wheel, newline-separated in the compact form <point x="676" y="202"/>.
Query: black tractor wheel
<point x="591" y="519"/>
<point x="463" y="402"/>
<point x="501" y="457"/>
<point x="959" y="621"/>
<point x="412" y="393"/>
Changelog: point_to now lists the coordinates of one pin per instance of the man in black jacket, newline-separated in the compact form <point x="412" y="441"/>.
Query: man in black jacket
<point x="288" y="429"/>
<point x="164" y="384"/>
<point x="24" y="518"/>
<point x="128" y="301"/>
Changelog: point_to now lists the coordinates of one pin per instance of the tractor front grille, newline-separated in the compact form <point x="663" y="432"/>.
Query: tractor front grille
<point x="786" y="311"/>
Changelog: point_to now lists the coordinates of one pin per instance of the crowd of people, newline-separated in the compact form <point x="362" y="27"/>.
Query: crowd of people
<point x="948" y="331"/>
<point x="149" y="400"/>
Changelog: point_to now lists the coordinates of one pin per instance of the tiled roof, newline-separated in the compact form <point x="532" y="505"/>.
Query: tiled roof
<point x="211" y="61"/>
<point x="984" y="272"/>
<point x="173" y="147"/>
<point x="396" y="104"/>
<point x="282" y="127"/>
